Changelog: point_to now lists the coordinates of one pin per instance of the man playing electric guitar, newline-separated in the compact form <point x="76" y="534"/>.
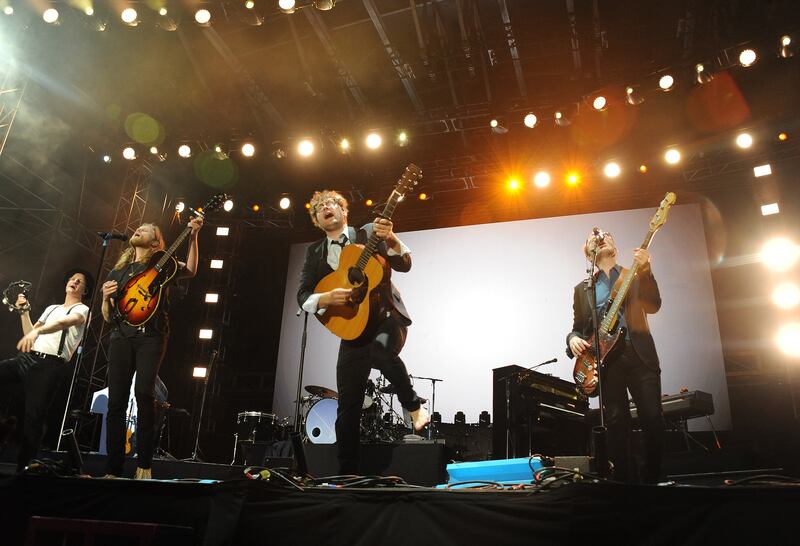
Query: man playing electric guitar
<point x="137" y="349"/>
<point x="636" y="368"/>
<point x="381" y="347"/>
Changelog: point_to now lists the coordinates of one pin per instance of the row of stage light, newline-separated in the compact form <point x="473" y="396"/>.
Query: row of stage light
<point x="164" y="17"/>
<point x="304" y="147"/>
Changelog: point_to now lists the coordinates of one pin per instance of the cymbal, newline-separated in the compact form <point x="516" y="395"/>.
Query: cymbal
<point x="388" y="389"/>
<point x="322" y="392"/>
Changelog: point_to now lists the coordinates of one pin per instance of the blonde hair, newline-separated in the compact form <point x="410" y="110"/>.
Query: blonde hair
<point x="128" y="255"/>
<point x="322" y="196"/>
<point x="586" y="244"/>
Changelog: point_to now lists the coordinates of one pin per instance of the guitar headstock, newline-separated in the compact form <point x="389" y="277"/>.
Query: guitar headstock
<point x="410" y="178"/>
<point x="660" y="216"/>
<point x="213" y="204"/>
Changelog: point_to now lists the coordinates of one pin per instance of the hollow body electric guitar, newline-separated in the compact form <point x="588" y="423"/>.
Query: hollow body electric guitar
<point x="138" y="300"/>
<point x="587" y="365"/>
<point x="362" y="270"/>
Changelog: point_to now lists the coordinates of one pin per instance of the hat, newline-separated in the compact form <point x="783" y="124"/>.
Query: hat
<point x="89" y="279"/>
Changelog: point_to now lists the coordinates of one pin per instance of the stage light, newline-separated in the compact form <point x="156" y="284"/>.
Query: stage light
<point x="129" y="153"/>
<point x="180" y="206"/>
<point x="779" y="254"/>
<point x="561" y="119"/>
<point x="633" y="95"/>
<point x="744" y="140"/>
<point x="162" y="12"/>
<point x="666" y="82"/>
<point x="153" y="150"/>
<point x="199" y="372"/>
<point x="248" y="150"/>
<point x="612" y="169"/>
<point x="305" y="148"/>
<point x="573" y="178"/>
<point x="747" y="57"/>
<point x="8" y="10"/>
<point x="285" y="203"/>
<point x="50" y="15"/>
<point x="783" y="136"/>
<point x="202" y="17"/>
<point x="402" y="138"/>
<point x="286" y="6"/>
<point x="308" y="206"/>
<point x="255" y="207"/>
<point x="769" y="209"/>
<point x="106" y="158"/>
<point x="228" y="205"/>
<point x="216" y="264"/>
<point x="786" y="295"/>
<point x="702" y="74"/>
<point x="599" y="103"/>
<point x="787" y="49"/>
<point x="129" y="17"/>
<point x="762" y="170"/>
<point x="344" y="145"/>
<point x="206" y="333"/>
<point x="788" y="339"/>
<point x="642" y="168"/>
<point x="223" y="231"/>
<point x="513" y="184"/>
<point x="184" y="150"/>
<point x="541" y="179"/>
<point x="423" y="196"/>
<point x="324" y="5"/>
<point x="493" y="123"/>
<point x="374" y="141"/>
<point x="212" y="297"/>
<point x="218" y="149"/>
<point x="89" y="10"/>
<point x="369" y="202"/>
<point x="249" y="4"/>
<point x="672" y="156"/>
<point x="530" y="120"/>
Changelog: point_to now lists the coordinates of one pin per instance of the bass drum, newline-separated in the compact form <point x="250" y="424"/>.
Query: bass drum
<point x="321" y="421"/>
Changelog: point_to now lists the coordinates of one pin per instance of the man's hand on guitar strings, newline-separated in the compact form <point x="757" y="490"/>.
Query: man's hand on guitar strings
<point x="195" y="222"/>
<point x="577" y="345"/>
<point x="337" y="296"/>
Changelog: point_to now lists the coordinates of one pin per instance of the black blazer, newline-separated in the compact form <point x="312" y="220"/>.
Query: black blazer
<point x="643" y="298"/>
<point x="316" y="267"/>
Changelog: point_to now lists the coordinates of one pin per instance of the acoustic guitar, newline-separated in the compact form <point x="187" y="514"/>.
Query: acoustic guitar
<point x="141" y="295"/>
<point x="587" y="364"/>
<point x="361" y="270"/>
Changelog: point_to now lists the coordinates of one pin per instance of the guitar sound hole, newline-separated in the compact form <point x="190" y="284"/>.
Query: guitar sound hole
<point x="355" y="276"/>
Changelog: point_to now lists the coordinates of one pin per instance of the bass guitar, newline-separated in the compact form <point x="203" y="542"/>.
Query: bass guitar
<point x="362" y="270"/>
<point x="587" y="364"/>
<point x="141" y="295"/>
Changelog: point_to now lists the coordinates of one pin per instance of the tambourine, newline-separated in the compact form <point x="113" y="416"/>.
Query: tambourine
<point x="12" y="292"/>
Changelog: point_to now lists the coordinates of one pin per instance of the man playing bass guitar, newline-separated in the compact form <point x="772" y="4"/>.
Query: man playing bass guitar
<point x="378" y="349"/>
<point x="636" y="369"/>
<point x="137" y="349"/>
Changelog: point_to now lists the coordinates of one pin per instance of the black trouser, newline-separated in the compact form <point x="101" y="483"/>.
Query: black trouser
<point x="352" y="372"/>
<point x="40" y="379"/>
<point x="141" y="354"/>
<point x="630" y="373"/>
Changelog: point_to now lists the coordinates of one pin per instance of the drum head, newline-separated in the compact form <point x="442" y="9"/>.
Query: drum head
<point x="321" y="422"/>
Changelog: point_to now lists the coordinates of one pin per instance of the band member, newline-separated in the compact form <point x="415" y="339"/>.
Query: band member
<point x="44" y="352"/>
<point x="137" y="349"/>
<point x="636" y="369"/>
<point x="381" y="350"/>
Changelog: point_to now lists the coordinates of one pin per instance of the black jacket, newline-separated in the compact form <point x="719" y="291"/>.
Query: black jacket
<point x="316" y="267"/>
<point x="643" y="298"/>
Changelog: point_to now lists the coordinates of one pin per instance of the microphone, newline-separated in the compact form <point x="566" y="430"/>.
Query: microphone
<point x="599" y="234"/>
<point x="109" y="235"/>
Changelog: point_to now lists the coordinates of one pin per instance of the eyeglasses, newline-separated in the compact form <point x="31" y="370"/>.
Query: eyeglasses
<point x="330" y="203"/>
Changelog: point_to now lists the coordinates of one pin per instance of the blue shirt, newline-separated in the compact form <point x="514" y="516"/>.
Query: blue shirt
<point x="603" y="285"/>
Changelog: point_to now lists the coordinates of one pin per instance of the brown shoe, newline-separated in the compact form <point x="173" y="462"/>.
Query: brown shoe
<point x="143" y="474"/>
<point x="420" y="418"/>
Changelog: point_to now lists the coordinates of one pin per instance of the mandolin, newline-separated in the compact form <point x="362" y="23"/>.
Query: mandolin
<point x="362" y="270"/>
<point x="141" y="295"/>
<point x="587" y="364"/>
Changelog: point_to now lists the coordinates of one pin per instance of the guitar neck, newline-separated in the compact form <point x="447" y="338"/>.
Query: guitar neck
<point x="372" y="243"/>
<point x="610" y="319"/>
<point x="172" y="248"/>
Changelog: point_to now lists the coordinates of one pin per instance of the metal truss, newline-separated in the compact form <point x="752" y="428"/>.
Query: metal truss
<point x="12" y="89"/>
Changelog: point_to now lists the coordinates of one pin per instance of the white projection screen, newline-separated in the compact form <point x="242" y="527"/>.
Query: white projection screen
<point x="490" y="295"/>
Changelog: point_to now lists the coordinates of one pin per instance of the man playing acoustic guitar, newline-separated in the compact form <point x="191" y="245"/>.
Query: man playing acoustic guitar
<point x="381" y="347"/>
<point x="137" y="349"/>
<point x="636" y="368"/>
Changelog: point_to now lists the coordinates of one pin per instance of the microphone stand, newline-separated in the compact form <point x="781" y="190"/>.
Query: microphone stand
<point x="599" y="433"/>
<point x="106" y="236"/>
<point x="194" y="456"/>
<point x="303" y="340"/>
<point x="432" y="424"/>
